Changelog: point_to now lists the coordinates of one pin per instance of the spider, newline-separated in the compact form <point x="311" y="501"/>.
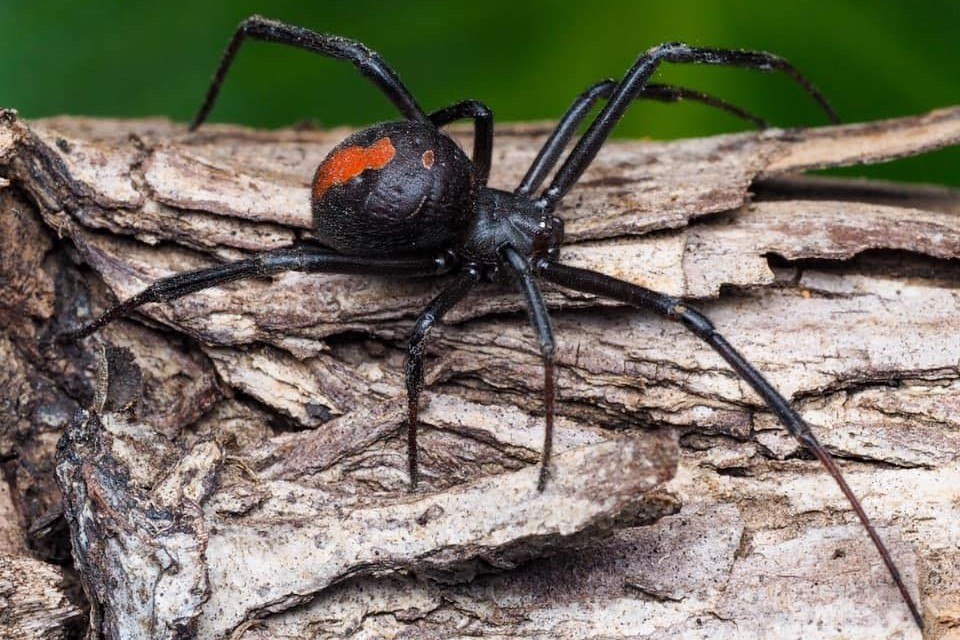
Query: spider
<point x="402" y="199"/>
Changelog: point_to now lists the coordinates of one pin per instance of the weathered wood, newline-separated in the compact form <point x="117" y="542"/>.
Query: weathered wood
<point x="34" y="595"/>
<point x="33" y="601"/>
<point x="246" y="491"/>
<point x="239" y="561"/>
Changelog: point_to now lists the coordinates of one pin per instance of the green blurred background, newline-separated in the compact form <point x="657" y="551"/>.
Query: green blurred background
<point x="526" y="60"/>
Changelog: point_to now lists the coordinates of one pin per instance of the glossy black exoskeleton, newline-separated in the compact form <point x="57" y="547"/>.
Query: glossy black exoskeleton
<point x="402" y="199"/>
<point x="397" y="188"/>
<point x="404" y="188"/>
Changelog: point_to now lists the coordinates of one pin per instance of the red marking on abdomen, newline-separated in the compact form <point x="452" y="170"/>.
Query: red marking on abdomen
<point x="427" y="158"/>
<point x="349" y="162"/>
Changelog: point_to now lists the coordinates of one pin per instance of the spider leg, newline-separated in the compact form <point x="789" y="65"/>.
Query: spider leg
<point x="542" y="325"/>
<point x="269" y="262"/>
<point x="547" y="157"/>
<point x="366" y="61"/>
<point x="637" y="77"/>
<point x="596" y="283"/>
<point x="438" y="307"/>
<point x="672" y="93"/>
<point x="482" y="131"/>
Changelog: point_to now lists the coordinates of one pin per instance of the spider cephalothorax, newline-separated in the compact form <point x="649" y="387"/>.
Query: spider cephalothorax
<point x="402" y="199"/>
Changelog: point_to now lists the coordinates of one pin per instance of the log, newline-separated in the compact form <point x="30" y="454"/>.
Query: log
<point x="231" y="465"/>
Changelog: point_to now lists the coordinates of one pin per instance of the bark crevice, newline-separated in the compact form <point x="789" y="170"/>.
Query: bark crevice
<point x="232" y="464"/>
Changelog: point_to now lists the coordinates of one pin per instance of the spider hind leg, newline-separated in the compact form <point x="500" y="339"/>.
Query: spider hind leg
<point x="309" y="260"/>
<point x="592" y="282"/>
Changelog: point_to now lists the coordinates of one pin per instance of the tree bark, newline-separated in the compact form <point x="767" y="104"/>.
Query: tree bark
<point x="232" y="463"/>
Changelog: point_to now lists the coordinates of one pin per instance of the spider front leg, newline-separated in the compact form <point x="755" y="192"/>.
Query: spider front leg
<point x="599" y="284"/>
<point x="438" y="307"/>
<point x="543" y="327"/>
<point x="567" y="126"/>
<point x="366" y="61"/>
<point x="309" y="260"/>
<point x="632" y="84"/>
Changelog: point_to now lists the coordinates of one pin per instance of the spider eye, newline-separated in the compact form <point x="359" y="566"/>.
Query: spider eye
<point x="548" y="237"/>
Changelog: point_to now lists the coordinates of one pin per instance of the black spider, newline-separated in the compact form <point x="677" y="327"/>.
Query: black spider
<point x="402" y="199"/>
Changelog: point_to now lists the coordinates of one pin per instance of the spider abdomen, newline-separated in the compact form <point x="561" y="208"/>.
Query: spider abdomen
<point x="397" y="187"/>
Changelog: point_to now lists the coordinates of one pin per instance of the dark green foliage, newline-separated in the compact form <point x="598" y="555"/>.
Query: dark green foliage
<point x="526" y="60"/>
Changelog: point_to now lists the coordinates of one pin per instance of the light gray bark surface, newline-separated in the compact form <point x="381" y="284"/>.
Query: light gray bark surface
<point x="243" y="475"/>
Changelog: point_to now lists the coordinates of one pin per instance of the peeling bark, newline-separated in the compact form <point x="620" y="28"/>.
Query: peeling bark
<point x="33" y="601"/>
<point x="200" y="561"/>
<point x="233" y="463"/>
